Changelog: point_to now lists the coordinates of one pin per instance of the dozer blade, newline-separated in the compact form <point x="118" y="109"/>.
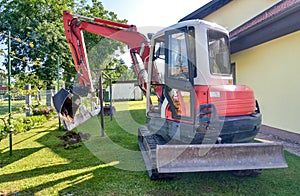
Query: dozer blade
<point x="67" y="104"/>
<point x="219" y="157"/>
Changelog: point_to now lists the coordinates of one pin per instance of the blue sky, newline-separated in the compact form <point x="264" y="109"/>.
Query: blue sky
<point x="153" y="12"/>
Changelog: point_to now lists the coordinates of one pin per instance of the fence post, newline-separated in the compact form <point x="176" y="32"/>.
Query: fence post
<point x="55" y="89"/>
<point x="48" y="97"/>
<point x="101" y="103"/>
<point x="58" y="86"/>
<point x="28" y="99"/>
<point x="9" y="89"/>
<point x="39" y="97"/>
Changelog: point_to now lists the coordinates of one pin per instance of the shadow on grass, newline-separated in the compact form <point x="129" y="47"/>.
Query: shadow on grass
<point x="30" y="137"/>
<point x="85" y="172"/>
<point x="6" y="159"/>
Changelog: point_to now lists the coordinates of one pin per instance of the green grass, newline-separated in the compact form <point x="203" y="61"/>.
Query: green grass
<point x="15" y="106"/>
<point x="112" y="165"/>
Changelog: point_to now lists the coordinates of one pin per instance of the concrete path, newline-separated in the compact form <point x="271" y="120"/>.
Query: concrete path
<point x="291" y="141"/>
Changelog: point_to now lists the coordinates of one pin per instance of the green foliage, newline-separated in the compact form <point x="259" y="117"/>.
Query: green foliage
<point x="5" y="128"/>
<point x="38" y="120"/>
<point x="114" y="70"/>
<point x="13" y="126"/>
<point x="101" y="49"/>
<point x="28" y="78"/>
<point x="3" y="77"/>
<point x="21" y="124"/>
<point x="39" y="37"/>
<point x="40" y="115"/>
<point x="129" y="74"/>
<point x="22" y="79"/>
<point x="37" y="27"/>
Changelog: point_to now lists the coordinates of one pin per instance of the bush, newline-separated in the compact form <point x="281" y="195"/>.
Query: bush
<point x="43" y="110"/>
<point x="40" y="115"/>
<point x="16" y="126"/>
<point x="3" y="132"/>
<point x="22" y="124"/>
<point x="38" y="120"/>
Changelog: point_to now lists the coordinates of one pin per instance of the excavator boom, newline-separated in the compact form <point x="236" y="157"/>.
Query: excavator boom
<point x="67" y="102"/>
<point x="75" y="24"/>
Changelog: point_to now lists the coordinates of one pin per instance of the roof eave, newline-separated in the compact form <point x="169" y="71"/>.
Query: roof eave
<point x="206" y="10"/>
<point x="274" y="27"/>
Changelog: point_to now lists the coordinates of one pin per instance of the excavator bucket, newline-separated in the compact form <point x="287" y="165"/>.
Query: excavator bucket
<point x="67" y="105"/>
<point x="219" y="157"/>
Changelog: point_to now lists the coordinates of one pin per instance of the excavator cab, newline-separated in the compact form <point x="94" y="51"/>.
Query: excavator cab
<point x="199" y="120"/>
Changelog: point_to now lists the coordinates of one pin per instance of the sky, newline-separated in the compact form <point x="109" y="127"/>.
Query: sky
<point x="151" y="15"/>
<point x="152" y="12"/>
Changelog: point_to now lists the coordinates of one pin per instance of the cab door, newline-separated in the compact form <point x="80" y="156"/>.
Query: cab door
<point x="180" y="72"/>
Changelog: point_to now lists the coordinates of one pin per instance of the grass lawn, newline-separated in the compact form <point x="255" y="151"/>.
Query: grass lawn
<point x="113" y="165"/>
<point x="15" y="106"/>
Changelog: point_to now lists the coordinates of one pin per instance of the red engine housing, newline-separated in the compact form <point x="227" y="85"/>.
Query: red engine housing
<point x="229" y="100"/>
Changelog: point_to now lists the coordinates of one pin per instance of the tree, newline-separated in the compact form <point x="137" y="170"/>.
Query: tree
<point x="28" y="78"/>
<point x="39" y="38"/>
<point x="129" y="74"/>
<point x="114" y="70"/>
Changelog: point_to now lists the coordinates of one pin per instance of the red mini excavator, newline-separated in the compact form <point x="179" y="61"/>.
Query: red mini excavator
<point x="197" y="120"/>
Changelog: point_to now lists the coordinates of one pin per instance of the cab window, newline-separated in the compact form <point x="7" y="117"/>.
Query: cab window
<point x="178" y="56"/>
<point x="219" y="54"/>
<point x="158" y="68"/>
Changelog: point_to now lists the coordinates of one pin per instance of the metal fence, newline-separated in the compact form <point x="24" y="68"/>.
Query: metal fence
<point x="21" y="104"/>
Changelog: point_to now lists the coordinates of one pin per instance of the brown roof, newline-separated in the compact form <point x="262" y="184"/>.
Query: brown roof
<point x="277" y="9"/>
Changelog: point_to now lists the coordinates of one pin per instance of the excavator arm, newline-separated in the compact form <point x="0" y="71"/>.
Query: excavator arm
<point x="66" y="102"/>
<point x="74" y="25"/>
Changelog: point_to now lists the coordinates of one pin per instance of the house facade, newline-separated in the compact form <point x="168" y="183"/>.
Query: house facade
<point x="265" y="50"/>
